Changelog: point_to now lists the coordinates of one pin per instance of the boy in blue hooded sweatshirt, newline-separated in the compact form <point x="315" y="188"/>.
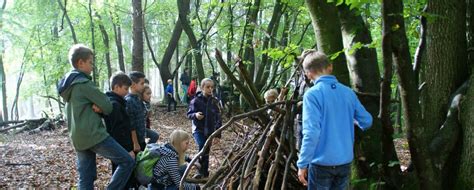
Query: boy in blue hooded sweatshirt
<point x="330" y="111"/>
<point x="84" y="106"/>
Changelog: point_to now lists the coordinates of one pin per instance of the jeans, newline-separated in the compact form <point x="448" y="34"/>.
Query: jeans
<point x="203" y="160"/>
<point x="153" y="135"/>
<point x="329" y="177"/>
<point x="110" y="149"/>
<point x="185" y="93"/>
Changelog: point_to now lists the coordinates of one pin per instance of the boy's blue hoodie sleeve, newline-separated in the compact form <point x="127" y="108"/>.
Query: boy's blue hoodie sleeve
<point x="311" y="129"/>
<point x="362" y="117"/>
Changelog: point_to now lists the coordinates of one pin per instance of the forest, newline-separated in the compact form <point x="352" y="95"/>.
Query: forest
<point x="410" y="62"/>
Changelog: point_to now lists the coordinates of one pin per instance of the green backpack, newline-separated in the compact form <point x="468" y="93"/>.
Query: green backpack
<point x="145" y="161"/>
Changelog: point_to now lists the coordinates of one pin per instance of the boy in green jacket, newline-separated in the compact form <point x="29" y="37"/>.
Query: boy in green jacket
<point x="84" y="103"/>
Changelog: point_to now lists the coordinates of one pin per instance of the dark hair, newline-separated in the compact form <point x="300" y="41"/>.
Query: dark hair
<point x="147" y="81"/>
<point x="315" y="60"/>
<point x="120" y="79"/>
<point x="136" y="76"/>
<point x="78" y="52"/>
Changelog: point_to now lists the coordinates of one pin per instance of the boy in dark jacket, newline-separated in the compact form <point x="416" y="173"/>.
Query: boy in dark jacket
<point x="84" y="103"/>
<point x="136" y="110"/>
<point x="118" y="122"/>
<point x="205" y="115"/>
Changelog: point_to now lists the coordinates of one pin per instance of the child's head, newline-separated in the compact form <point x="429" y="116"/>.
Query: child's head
<point x="179" y="139"/>
<point x="170" y="81"/>
<point x="120" y="83"/>
<point x="207" y="86"/>
<point x="138" y="82"/>
<point x="270" y="96"/>
<point x="146" y="94"/>
<point x="316" y="63"/>
<point x="80" y="57"/>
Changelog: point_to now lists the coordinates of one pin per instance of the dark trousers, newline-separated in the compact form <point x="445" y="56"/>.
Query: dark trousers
<point x="171" y="101"/>
<point x="203" y="160"/>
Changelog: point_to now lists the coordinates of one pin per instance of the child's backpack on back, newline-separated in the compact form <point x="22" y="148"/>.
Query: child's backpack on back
<point x="145" y="161"/>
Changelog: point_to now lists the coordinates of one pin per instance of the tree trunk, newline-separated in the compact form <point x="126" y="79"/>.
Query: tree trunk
<point x="328" y="35"/>
<point x="172" y="45"/>
<point x="364" y="79"/>
<point x="271" y="31"/>
<point x="63" y="8"/>
<point x="118" y="40"/>
<point x="3" y="82"/>
<point x="137" y="47"/>
<point x="247" y="41"/>
<point x="183" y="7"/>
<point x="94" y="73"/>
<point x="394" y="30"/>
<point x="105" y="39"/>
<point x="466" y="168"/>
<point x="445" y="68"/>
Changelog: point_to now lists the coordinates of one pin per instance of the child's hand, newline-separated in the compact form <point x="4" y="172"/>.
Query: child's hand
<point x="96" y="108"/>
<point x="199" y="115"/>
<point x="136" y="147"/>
<point x="132" y="154"/>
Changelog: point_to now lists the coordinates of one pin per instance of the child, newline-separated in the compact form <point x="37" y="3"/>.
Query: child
<point x="205" y="115"/>
<point x="171" y="165"/>
<point x="271" y="96"/>
<point x="330" y="110"/>
<point x="118" y="122"/>
<point x="169" y="94"/>
<point x="146" y="97"/>
<point x="192" y="89"/>
<point x="136" y="110"/>
<point x="86" y="130"/>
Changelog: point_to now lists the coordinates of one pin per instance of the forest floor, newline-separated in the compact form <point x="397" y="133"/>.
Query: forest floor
<point x="47" y="159"/>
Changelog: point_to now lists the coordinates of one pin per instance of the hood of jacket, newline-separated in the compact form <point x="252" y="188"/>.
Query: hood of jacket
<point x="113" y="97"/>
<point x="70" y="79"/>
<point x="168" y="150"/>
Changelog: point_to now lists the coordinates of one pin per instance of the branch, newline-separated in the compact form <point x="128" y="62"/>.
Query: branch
<point x="218" y="131"/>
<point x="421" y="47"/>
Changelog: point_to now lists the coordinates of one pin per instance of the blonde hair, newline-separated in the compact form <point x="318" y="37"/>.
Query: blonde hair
<point x="176" y="138"/>
<point x="206" y="80"/>
<point x="271" y="92"/>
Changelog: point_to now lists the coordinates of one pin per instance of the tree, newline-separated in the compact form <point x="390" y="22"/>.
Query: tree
<point x="327" y="29"/>
<point x="183" y="7"/>
<point x="65" y="15"/>
<point x="137" y="49"/>
<point x="362" y="62"/>
<point x="3" y="81"/>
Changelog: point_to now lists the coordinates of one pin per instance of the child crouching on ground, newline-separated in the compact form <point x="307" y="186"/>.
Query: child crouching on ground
<point x="170" y="167"/>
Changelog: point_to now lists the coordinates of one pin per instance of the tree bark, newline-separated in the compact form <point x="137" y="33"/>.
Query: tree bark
<point x="105" y="39"/>
<point x="327" y="29"/>
<point x="445" y="68"/>
<point x="394" y="26"/>
<point x="118" y="40"/>
<point x="3" y="81"/>
<point x="183" y="7"/>
<point x="95" y="75"/>
<point x="272" y="30"/>
<point x="172" y="45"/>
<point x="137" y="47"/>
<point x="364" y="74"/>
<point x="247" y="42"/>
<point x="63" y="8"/>
<point x="466" y="168"/>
